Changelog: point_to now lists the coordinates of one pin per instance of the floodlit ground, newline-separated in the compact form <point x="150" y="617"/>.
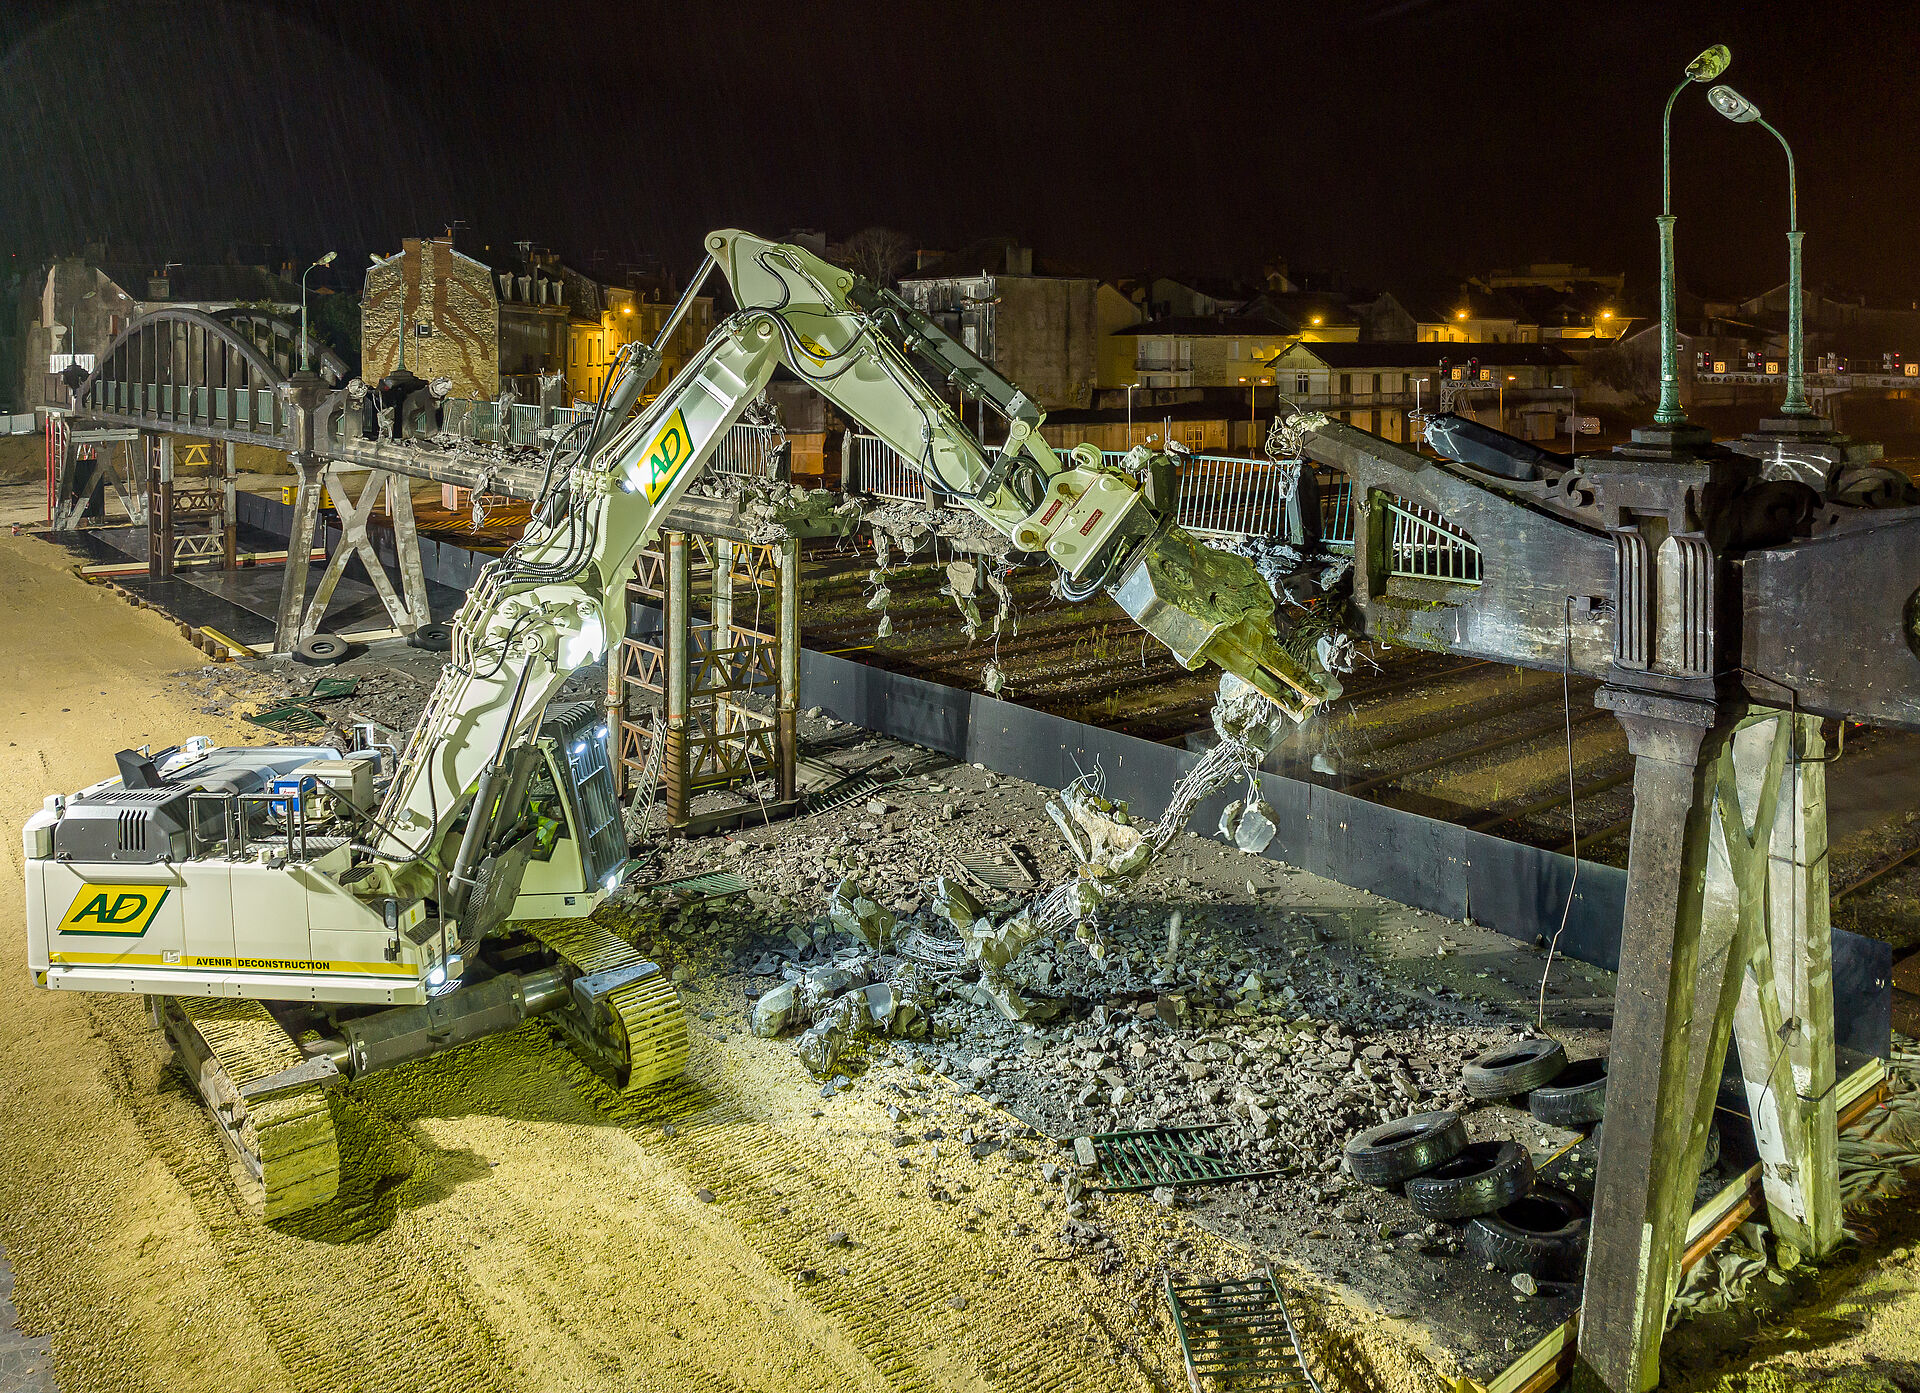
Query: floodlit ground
<point x="502" y="1225"/>
<point x="505" y="1224"/>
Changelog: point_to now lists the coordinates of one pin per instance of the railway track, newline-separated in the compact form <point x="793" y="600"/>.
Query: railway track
<point x="1459" y="739"/>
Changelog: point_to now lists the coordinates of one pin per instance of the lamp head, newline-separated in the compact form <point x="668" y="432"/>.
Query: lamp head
<point x="327" y="260"/>
<point x="1732" y="105"/>
<point x="1710" y="63"/>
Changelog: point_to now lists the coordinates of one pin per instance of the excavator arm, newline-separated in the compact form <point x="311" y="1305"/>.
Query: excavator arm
<point x="556" y="601"/>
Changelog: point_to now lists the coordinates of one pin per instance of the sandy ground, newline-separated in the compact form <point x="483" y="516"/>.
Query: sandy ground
<point x="505" y="1224"/>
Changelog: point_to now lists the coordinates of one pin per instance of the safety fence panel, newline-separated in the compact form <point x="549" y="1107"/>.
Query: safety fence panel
<point x="878" y="469"/>
<point x="1422" y="545"/>
<point x="1224" y="495"/>
<point x="751" y="451"/>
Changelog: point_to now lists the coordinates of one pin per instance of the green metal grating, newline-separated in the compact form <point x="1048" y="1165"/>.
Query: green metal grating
<point x="1239" y="1335"/>
<point x="713" y="885"/>
<point x="1158" y="1156"/>
<point x="331" y="688"/>
<point x="290" y="717"/>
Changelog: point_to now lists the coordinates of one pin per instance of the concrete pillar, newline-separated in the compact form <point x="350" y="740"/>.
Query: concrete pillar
<point x="788" y="657"/>
<point x="1664" y="1065"/>
<point x="300" y="538"/>
<point x="1771" y="862"/>
<point x="231" y="513"/>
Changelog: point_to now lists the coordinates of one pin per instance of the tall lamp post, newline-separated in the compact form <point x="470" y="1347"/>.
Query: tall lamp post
<point x="1737" y="108"/>
<point x="1130" y="387"/>
<point x="1573" y="417"/>
<point x="1705" y="68"/>
<point x="306" y="355"/>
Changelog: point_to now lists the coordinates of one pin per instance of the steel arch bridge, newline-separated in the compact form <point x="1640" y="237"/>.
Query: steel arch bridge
<point x="219" y="375"/>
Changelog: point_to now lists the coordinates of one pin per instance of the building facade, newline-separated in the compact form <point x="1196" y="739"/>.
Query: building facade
<point x="1039" y="330"/>
<point x="435" y="312"/>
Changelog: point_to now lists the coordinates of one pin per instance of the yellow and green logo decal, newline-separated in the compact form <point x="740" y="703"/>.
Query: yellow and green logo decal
<point x="667" y="456"/>
<point x="123" y="911"/>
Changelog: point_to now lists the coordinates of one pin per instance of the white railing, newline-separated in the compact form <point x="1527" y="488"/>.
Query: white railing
<point x="28" y="424"/>
<point x="1424" y="546"/>
<point x="1220" y="495"/>
<point x="878" y="469"/>
<point x="750" y="451"/>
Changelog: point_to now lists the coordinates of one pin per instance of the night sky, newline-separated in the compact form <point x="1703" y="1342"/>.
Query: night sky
<point x="1401" y="142"/>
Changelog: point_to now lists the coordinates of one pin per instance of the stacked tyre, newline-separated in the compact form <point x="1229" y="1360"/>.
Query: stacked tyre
<point x="1510" y="1222"/>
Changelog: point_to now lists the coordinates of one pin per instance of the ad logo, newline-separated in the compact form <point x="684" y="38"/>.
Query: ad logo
<point x="667" y="456"/>
<point x="123" y="911"/>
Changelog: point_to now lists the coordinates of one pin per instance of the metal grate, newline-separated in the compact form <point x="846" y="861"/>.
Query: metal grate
<point x="1238" y="1335"/>
<point x="1158" y="1156"/>
<point x="1423" y="545"/>
<point x="1003" y="870"/>
<point x="713" y="885"/>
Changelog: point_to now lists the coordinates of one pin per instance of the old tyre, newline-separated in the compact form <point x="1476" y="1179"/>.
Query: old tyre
<point x="321" y="650"/>
<point x="1485" y="1176"/>
<point x="1515" y="1069"/>
<point x="1543" y="1235"/>
<point x="1396" y="1151"/>
<point x="434" y="638"/>
<point x="1576" y="1097"/>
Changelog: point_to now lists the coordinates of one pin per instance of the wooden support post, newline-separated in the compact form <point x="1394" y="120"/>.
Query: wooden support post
<point x="674" y="772"/>
<point x="300" y="539"/>
<point x="1663" y="1068"/>
<point x="788" y="657"/>
<point x="230" y="513"/>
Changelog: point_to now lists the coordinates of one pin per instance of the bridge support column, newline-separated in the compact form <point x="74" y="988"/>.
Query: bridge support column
<point x="1718" y="891"/>
<point x="160" y="511"/>
<point x="355" y="541"/>
<point x="230" y="541"/>
<point x="787" y="737"/>
<point x="300" y="539"/>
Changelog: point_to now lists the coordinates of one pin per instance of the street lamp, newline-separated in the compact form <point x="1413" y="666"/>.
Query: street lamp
<point x="1739" y="110"/>
<point x="306" y="355"/>
<point x="1573" y="417"/>
<point x="1710" y="63"/>
<point x="1130" y="387"/>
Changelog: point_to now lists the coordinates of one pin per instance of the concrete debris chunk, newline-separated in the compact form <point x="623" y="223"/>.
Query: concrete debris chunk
<point x="854" y="912"/>
<point x="773" y="1010"/>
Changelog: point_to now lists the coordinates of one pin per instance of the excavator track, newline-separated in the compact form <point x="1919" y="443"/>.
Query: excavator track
<point x="638" y="1036"/>
<point x="289" y="1158"/>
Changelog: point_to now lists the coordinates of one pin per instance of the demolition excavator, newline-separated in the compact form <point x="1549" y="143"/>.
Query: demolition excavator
<point x="307" y="915"/>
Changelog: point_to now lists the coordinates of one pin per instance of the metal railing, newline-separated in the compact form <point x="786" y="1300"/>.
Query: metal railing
<point x="1220" y="495"/>
<point x="750" y="451"/>
<point x="877" y="468"/>
<point x="1223" y="495"/>
<point x="1422" y="545"/>
<point x="1336" y="511"/>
